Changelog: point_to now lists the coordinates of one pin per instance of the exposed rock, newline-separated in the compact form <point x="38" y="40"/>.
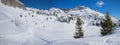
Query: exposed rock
<point x="13" y="3"/>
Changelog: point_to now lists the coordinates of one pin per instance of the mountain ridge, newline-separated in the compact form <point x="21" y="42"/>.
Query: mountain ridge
<point x="14" y="3"/>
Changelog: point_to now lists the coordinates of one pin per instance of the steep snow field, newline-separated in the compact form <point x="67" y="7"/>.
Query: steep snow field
<point x="38" y="29"/>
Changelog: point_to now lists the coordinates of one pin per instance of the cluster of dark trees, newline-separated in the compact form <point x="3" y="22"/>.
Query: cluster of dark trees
<point x="106" y="25"/>
<point x="64" y="19"/>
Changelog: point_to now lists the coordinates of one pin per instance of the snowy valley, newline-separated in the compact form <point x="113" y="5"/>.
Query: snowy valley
<point x="53" y="27"/>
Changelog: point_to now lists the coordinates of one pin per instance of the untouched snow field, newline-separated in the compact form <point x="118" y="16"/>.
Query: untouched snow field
<point x="39" y="30"/>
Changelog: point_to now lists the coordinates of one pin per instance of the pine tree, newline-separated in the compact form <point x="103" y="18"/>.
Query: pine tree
<point x="107" y="25"/>
<point x="79" y="32"/>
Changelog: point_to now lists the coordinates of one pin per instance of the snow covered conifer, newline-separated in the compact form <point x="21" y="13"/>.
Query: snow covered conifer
<point x="107" y="25"/>
<point x="79" y="32"/>
<point x="32" y="16"/>
<point x="20" y="15"/>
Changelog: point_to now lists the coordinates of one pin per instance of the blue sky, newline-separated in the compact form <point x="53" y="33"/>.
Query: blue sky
<point x="113" y="6"/>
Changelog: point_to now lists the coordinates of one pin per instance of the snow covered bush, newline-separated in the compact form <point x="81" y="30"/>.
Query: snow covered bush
<point x="21" y="15"/>
<point x="17" y="22"/>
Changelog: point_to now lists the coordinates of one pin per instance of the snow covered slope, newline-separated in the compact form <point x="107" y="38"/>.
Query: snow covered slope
<point x="52" y="27"/>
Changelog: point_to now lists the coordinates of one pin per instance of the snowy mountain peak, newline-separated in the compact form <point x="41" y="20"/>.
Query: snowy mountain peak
<point x="79" y="8"/>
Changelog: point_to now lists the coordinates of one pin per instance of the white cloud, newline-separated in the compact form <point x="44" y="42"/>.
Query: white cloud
<point x="100" y="3"/>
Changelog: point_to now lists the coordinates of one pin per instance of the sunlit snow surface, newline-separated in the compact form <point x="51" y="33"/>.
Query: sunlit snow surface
<point x="37" y="30"/>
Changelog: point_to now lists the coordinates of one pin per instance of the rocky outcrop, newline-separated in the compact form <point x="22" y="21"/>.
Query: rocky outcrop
<point x="13" y="3"/>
